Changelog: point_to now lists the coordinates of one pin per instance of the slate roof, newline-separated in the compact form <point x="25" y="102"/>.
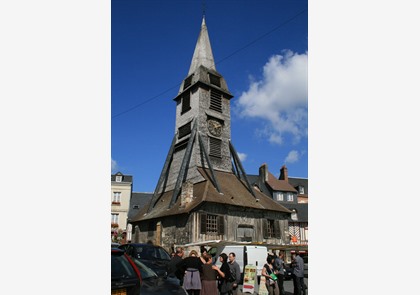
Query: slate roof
<point x="235" y="193"/>
<point x="125" y="178"/>
<point x="140" y="200"/>
<point x="301" y="210"/>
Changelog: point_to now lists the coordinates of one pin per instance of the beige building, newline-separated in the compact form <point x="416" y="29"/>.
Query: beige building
<point x="121" y="190"/>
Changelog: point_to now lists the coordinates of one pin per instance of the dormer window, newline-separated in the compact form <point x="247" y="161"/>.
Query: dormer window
<point x="294" y="215"/>
<point x="278" y="196"/>
<point x="290" y="197"/>
<point x="118" y="178"/>
<point x="301" y="189"/>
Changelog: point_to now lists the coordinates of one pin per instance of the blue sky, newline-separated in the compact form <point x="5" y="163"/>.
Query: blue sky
<point x="261" y="49"/>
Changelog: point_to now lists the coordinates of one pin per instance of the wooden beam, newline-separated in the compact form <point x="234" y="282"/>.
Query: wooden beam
<point x="236" y="158"/>
<point x="163" y="175"/>
<point x="184" y="166"/>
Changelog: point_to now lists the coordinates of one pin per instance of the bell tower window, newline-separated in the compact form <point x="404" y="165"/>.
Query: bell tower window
<point x="216" y="100"/>
<point x="214" y="80"/>
<point x="185" y="103"/>
<point x="215" y="147"/>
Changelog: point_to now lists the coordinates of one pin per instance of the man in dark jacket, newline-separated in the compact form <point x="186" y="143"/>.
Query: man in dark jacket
<point x="173" y="271"/>
<point x="298" y="275"/>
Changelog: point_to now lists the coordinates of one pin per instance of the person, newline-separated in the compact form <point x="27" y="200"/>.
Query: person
<point x="299" y="287"/>
<point x="209" y="277"/>
<point x="279" y="266"/>
<point x="203" y="251"/>
<point x="236" y="271"/>
<point x="192" y="267"/>
<point x="223" y="283"/>
<point x="173" y="271"/>
<point x="270" y="276"/>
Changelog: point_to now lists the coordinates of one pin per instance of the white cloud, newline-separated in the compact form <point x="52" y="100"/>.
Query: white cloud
<point x="114" y="166"/>
<point x="242" y="156"/>
<point x="280" y="98"/>
<point x="292" y="157"/>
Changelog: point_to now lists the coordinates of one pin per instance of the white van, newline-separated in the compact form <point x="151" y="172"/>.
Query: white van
<point x="249" y="254"/>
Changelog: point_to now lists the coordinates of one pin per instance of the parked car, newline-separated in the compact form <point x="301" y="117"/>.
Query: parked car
<point x="153" y="256"/>
<point x="152" y="284"/>
<point x="125" y="275"/>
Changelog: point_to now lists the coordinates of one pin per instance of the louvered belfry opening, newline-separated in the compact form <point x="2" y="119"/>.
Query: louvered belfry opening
<point x="215" y="100"/>
<point x="184" y="130"/>
<point x="215" y="147"/>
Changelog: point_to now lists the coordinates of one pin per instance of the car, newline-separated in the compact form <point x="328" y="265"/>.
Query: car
<point x="152" y="284"/>
<point x="115" y="245"/>
<point x="125" y="275"/>
<point x="153" y="256"/>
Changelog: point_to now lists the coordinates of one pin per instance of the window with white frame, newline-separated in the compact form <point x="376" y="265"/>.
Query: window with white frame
<point x="278" y="196"/>
<point x="117" y="197"/>
<point x="301" y="190"/>
<point x="114" y="218"/>
<point x="289" y="197"/>
<point x="118" y="178"/>
<point x="294" y="214"/>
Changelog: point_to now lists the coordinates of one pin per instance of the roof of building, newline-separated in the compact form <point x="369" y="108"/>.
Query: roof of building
<point x="137" y="202"/>
<point x="279" y="185"/>
<point x="234" y="192"/>
<point x="125" y="178"/>
<point x="301" y="210"/>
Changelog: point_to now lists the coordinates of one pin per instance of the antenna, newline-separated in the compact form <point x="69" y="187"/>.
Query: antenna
<point x="203" y="4"/>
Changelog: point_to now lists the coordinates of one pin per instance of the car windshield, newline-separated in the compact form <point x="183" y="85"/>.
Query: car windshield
<point x="152" y="253"/>
<point x="121" y="267"/>
<point x="145" y="271"/>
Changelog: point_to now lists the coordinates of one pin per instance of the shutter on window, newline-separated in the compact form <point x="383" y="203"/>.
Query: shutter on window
<point x="265" y="228"/>
<point x="277" y="229"/>
<point x="221" y="225"/>
<point x="203" y="227"/>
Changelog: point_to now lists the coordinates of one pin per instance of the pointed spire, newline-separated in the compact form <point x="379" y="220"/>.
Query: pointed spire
<point x="203" y="55"/>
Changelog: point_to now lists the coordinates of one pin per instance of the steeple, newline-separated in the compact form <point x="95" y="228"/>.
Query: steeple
<point x="202" y="53"/>
<point x="202" y="130"/>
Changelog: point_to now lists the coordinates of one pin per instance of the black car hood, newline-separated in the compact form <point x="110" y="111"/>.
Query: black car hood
<point x="160" y="286"/>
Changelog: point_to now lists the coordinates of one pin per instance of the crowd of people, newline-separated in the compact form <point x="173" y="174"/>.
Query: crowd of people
<point x="273" y="271"/>
<point x="199" y="276"/>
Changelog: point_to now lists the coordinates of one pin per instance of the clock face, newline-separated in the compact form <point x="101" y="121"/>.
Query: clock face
<point x="215" y="127"/>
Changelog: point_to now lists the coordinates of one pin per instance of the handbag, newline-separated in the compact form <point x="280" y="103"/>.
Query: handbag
<point x="273" y="276"/>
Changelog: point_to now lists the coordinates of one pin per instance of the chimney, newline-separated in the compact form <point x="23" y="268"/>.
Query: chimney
<point x="264" y="172"/>
<point x="186" y="193"/>
<point x="283" y="173"/>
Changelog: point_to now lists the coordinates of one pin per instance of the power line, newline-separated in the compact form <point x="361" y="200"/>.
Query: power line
<point x="218" y="62"/>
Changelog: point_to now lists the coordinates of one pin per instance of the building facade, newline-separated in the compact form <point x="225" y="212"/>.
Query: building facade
<point x="121" y="190"/>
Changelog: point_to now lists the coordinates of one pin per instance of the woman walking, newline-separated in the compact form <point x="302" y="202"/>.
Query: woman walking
<point x="270" y="277"/>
